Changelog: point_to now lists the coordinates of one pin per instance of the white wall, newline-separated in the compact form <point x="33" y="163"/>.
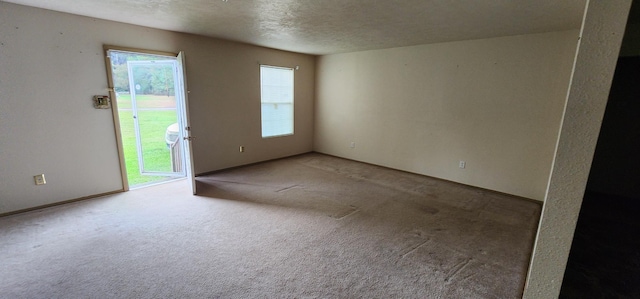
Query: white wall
<point x="601" y="36"/>
<point x="51" y="64"/>
<point x="494" y="103"/>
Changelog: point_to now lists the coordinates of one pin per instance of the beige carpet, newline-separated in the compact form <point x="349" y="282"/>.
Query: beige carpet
<point x="310" y="226"/>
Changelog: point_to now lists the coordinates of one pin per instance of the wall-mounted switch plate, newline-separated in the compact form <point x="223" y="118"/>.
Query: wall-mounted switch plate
<point x="39" y="179"/>
<point x="242" y="149"/>
<point x="101" y="102"/>
<point x="352" y="145"/>
<point x="462" y="164"/>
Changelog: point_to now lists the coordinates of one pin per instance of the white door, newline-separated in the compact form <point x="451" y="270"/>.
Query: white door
<point x="181" y="89"/>
<point x="151" y="116"/>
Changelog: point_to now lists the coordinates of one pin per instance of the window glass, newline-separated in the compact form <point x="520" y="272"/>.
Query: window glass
<point x="276" y="93"/>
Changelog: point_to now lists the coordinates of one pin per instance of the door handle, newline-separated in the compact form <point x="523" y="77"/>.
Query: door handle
<point x="189" y="138"/>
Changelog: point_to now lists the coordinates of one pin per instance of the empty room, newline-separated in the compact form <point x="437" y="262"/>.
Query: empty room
<point x="323" y="149"/>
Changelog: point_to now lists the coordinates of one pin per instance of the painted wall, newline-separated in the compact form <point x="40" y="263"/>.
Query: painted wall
<point x="616" y="165"/>
<point x="601" y="36"/>
<point x="494" y="103"/>
<point x="51" y="64"/>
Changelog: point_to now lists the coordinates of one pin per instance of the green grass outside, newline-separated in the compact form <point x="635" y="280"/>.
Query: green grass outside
<point x="157" y="157"/>
<point x="145" y="101"/>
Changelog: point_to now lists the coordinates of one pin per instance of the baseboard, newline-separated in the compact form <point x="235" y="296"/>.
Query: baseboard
<point x="250" y="164"/>
<point x="435" y="178"/>
<point x="59" y="203"/>
<point x="440" y="179"/>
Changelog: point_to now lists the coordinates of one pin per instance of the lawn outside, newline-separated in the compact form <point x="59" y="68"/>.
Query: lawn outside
<point x="155" y="114"/>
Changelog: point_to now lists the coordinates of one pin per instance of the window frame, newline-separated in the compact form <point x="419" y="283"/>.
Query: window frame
<point x="292" y="103"/>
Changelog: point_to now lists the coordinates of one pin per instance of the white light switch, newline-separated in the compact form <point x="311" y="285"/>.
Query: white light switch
<point x="462" y="164"/>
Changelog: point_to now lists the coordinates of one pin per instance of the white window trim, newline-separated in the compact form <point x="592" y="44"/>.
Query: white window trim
<point x="292" y="103"/>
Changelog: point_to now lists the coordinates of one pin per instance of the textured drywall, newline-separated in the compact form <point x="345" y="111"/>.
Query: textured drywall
<point x="51" y="64"/>
<point x="601" y="35"/>
<point x="494" y="103"/>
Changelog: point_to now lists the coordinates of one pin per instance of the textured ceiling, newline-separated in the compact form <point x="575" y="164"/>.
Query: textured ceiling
<point x="334" y="26"/>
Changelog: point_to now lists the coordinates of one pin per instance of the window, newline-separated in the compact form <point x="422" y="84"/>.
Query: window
<point x="276" y="98"/>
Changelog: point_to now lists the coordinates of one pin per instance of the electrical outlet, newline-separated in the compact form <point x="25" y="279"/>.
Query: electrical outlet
<point x="39" y="179"/>
<point x="462" y="164"/>
<point x="242" y="149"/>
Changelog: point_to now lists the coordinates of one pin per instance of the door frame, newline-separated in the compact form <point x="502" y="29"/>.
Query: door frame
<point x="188" y="161"/>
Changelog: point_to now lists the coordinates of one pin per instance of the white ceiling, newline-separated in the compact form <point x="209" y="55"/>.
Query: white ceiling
<point x="334" y="26"/>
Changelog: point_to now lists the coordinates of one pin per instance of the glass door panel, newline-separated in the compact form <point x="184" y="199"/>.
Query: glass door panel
<point x="152" y="87"/>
